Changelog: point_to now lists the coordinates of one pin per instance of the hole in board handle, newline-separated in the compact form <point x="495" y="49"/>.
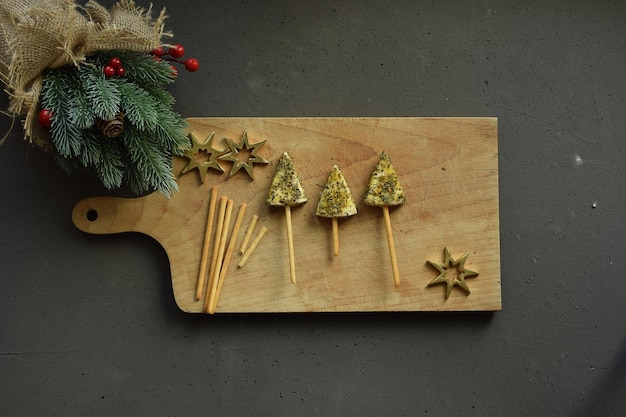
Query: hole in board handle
<point x="92" y="215"/>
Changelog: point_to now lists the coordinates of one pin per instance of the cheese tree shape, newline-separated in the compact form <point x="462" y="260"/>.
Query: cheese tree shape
<point x="336" y="201"/>
<point x="286" y="188"/>
<point x="287" y="191"/>
<point x="384" y="190"/>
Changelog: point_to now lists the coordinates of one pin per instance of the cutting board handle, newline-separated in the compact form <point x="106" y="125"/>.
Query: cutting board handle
<point x="108" y="215"/>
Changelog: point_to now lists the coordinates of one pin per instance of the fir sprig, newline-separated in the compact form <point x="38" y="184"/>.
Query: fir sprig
<point x="56" y="94"/>
<point x="138" y="105"/>
<point x="170" y="133"/>
<point x="105" y="157"/>
<point x="143" y="69"/>
<point x="80" y="108"/>
<point x="145" y="157"/>
<point x="82" y="98"/>
<point x="102" y="94"/>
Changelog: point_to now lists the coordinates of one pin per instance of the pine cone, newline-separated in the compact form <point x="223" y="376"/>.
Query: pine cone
<point x="112" y="128"/>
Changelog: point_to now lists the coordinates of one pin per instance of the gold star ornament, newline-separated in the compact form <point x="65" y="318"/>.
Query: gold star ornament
<point x="203" y="156"/>
<point x="452" y="272"/>
<point x="243" y="155"/>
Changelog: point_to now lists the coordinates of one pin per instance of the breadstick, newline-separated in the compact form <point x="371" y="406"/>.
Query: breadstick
<point x="229" y="252"/>
<point x="252" y="247"/>
<point x="220" y="256"/>
<point x="246" y="237"/>
<point x="216" y="244"/>
<point x="207" y="242"/>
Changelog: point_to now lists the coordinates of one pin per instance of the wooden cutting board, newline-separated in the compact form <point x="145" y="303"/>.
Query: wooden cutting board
<point x="448" y="168"/>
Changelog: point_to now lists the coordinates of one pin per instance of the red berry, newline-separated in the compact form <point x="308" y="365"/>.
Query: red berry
<point x="177" y="51"/>
<point x="109" y="71"/>
<point x="174" y="71"/>
<point x="115" y="62"/>
<point x="158" y="51"/>
<point x="192" y="65"/>
<point x="45" y="118"/>
<point x="120" y="71"/>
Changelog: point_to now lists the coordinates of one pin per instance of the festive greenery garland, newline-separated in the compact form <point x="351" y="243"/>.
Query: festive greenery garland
<point x="113" y="115"/>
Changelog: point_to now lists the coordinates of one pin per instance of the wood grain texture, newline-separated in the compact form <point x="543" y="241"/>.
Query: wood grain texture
<point x="447" y="166"/>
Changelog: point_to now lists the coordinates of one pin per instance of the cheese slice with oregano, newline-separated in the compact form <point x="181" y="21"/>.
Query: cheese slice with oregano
<point x="383" y="188"/>
<point x="336" y="199"/>
<point x="286" y="188"/>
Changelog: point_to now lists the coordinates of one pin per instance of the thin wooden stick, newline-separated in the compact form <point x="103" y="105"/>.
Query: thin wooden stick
<point x="335" y="236"/>
<point x="220" y="256"/>
<point x="292" y="260"/>
<point x="207" y="243"/>
<point x="252" y="247"/>
<point x="392" y="248"/>
<point x="231" y="248"/>
<point x="216" y="244"/>
<point x="246" y="237"/>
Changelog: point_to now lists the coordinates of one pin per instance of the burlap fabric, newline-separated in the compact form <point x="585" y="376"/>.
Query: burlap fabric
<point x="40" y="34"/>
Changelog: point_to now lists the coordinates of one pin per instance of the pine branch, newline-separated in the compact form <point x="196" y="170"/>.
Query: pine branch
<point x="146" y="70"/>
<point x="143" y="69"/>
<point x="135" y="180"/>
<point x="138" y="105"/>
<point x="90" y="153"/>
<point x="55" y="96"/>
<point x="142" y="155"/>
<point x="80" y="111"/>
<point x="149" y="168"/>
<point x="102" y="94"/>
<point x="170" y="133"/>
<point x="111" y="168"/>
<point x="160" y="94"/>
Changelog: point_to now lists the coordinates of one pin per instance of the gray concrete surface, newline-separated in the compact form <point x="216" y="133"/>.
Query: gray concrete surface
<point x="88" y="324"/>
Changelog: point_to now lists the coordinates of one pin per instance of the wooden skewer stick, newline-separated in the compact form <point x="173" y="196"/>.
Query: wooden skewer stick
<point x="252" y="247"/>
<point x="220" y="256"/>
<point x="231" y="248"/>
<point x="207" y="241"/>
<point x="392" y="248"/>
<point x="335" y="236"/>
<point x="246" y="237"/>
<point x="292" y="260"/>
<point x="216" y="244"/>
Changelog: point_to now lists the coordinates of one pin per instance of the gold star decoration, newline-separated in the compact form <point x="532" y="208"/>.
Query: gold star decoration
<point x="203" y="156"/>
<point x="458" y="277"/>
<point x="243" y="155"/>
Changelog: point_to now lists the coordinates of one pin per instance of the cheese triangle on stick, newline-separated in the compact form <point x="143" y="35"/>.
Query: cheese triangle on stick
<point x="336" y="201"/>
<point x="286" y="190"/>
<point x="384" y="190"/>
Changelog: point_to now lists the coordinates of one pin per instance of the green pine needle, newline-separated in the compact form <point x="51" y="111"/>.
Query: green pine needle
<point x="160" y="94"/>
<point x="91" y="152"/>
<point x="102" y="93"/>
<point x="153" y="132"/>
<point x="171" y="133"/>
<point x="154" y="167"/>
<point x="110" y="168"/>
<point x="143" y="69"/>
<point x="80" y="110"/>
<point x="138" y="105"/>
<point x="66" y="137"/>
